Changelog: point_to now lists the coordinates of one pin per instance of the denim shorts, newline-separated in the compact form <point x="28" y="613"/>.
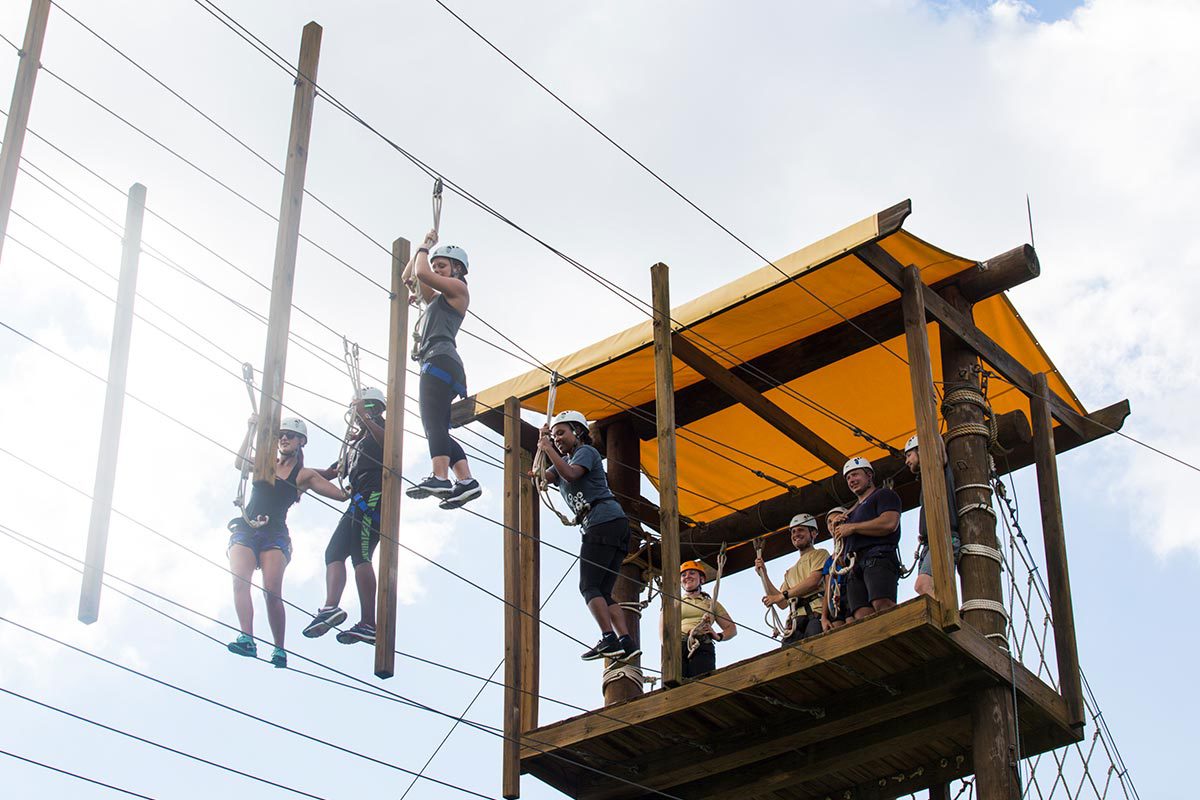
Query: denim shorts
<point x="259" y="540"/>
<point x="926" y="566"/>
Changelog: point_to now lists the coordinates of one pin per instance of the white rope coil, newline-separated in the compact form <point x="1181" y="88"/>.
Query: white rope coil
<point x="983" y="551"/>
<point x="966" y="486"/>
<point x="983" y="604"/>
<point x="985" y="507"/>
<point x="618" y="670"/>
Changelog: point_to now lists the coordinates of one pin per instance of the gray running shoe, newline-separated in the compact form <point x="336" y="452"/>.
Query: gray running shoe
<point x="432" y="486"/>
<point x="323" y="621"/>
<point x="463" y="493"/>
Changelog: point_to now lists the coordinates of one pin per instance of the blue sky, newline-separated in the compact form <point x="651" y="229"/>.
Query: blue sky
<point x="774" y="119"/>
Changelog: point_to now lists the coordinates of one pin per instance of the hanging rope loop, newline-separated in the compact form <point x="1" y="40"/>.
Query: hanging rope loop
<point x="771" y="618"/>
<point x="540" y="484"/>
<point x="437" y="204"/>
<point x="247" y="455"/>
<point x="710" y="616"/>
<point x="353" y="434"/>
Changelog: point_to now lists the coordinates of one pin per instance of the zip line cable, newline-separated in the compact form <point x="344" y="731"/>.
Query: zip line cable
<point x="375" y="691"/>
<point x="159" y="745"/>
<point x="75" y="775"/>
<point x="238" y="711"/>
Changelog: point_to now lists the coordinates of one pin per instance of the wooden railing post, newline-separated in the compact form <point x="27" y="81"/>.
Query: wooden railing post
<point x="933" y="477"/>
<point x="286" y="244"/>
<point x="18" y="109"/>
<point x="622" y="450"/>
<point x="531" y="596"/>
<point x="1057" y="575"/>
<point x="114" y="405"/>
<point x="512" y="600"/>
<point x="668" y="495"/>
<point x="392" y="490"/>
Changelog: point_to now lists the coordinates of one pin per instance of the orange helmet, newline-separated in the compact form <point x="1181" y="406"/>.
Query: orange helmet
<point x="696" y="565"/>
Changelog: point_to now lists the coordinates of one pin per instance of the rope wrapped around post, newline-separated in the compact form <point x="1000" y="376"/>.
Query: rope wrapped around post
<point x="710" y="616"/>
<point x="247" y="456"/>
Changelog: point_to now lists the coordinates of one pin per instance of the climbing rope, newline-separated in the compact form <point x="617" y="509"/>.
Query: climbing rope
<point x="437" y="204"/>
<point x="540" y="484"/>
<point x="416" y="298"/>
<point x="710" y="616"/>
<point x="247" y="457"/>
<point x="348" y="450"/>
<point x="779" y="630"/>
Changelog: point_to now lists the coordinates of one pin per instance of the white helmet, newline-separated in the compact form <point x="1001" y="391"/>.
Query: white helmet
<point x="857" y="463"/>
<point x="370" y="393"/>
<point x="911" y="444"/>
<point x="453" y="252"/>
<point x="295" y="425"/>
<point x="803" y="519"/>
<point x="569" y="416"/>
<point x="836" y="510"/>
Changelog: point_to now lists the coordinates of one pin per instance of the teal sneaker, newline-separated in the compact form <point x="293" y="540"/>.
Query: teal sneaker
<point x="244" y="646"/>
<point x="279" y="658"/>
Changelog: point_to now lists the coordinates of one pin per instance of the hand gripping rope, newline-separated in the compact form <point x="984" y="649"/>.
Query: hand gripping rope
<point x="416" y="298"/>
<point x="710" y="616"/>
<point x="350" y="357"/>
<point x="835" y="587"/>
<point x="771" y="617"/>
<point x="247" y="457"/>
<point x="540" y="484"/>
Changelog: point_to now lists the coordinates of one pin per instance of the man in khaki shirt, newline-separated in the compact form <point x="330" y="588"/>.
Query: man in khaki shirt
<point x="802" y="589"/>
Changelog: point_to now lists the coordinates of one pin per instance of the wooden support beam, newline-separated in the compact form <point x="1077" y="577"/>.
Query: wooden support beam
<point x="743" y="393"/>
<point x="933" y="460"/>
<point x="772" y="514"/>
<point x="286" y="244"/>
<point x="114" y="405"/>
<point x="624" y="479"/>
<point x="999" y="273"/>
<point x="1009" y="368"/>
<point x="531" y="596"/>
<point x="668" y="501"/>
<point x="513" y="671"/>
<point x="18" y="109"/>
<point x="392" y="490"/>
<point x="1057" y="576"/>
<point x="994" y="753"/>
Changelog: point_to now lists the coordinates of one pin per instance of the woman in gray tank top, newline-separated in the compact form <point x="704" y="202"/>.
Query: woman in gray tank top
<point x="439" y="279"/>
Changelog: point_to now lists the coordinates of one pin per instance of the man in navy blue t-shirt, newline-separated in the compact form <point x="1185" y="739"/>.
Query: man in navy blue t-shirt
<point x="871" y="532"/>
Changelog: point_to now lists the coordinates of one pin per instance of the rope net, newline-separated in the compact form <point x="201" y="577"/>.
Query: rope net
<point x="1091" y="769"/>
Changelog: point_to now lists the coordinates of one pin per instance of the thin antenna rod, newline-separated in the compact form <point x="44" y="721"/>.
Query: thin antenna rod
<point x="1029" y="212"/>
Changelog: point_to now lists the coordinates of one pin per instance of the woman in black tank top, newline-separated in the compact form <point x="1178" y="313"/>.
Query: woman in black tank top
<point x="268" y="546"/>
<point x="440" y="279"/>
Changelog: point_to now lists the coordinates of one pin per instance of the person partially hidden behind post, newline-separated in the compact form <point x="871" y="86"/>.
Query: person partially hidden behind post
<point x="912" y="460"/>
<point x="802" y="590"/>
<point x="696" y="621"/>
<point x="871" y="534"/>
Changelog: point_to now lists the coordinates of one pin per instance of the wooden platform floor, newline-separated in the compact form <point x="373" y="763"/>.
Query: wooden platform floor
<point x="880" y="708"/>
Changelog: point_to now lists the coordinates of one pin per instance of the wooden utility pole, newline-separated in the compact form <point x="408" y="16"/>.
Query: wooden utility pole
<point x="114" y="405"/>
<point x="286" y="244"/>
<point x="511" y="753"/>
<point x="392" y="490"/>
<point x="18" y="109"/>
<point x="933" y="476"/>
<point x="668" y="494"/>
<point x="531" y="596"/>
<point x="621" y="448"/>
<point x="1057" y="575"/>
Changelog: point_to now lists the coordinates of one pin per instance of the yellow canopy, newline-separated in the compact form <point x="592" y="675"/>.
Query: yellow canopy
<point x="813" y="290"/>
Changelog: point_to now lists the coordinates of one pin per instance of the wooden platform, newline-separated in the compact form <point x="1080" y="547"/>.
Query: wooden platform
<point x="878" y="709"/>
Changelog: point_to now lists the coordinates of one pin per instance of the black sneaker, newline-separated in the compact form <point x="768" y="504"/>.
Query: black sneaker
<point x="609" y="646"/>
<point x="432" y="486"/>
<point x="325" y="619"/>
<point x="631" y="649"/>
<point x="361" y="632"/>
<point x="463" y="493"/>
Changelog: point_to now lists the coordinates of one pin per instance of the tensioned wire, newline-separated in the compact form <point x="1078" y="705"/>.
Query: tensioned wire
<point x="775" y="701"/>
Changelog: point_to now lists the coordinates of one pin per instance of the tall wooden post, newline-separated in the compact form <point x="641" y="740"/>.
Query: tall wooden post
<point x="114" y="405"/>
<point x="933" y="477"/>
<point x="1057" y="576"/>
<point x="392" y="490"/>
<point x="992" y="715"/>
<point x="18" y="109"/>
<point x="286" y="244"/>
<point x="624" y="478"/>
<point x="668" y="495"/>
<point x="971" y="465"/>
<point x="512" y="600"/>
<point x="531" y="597"/>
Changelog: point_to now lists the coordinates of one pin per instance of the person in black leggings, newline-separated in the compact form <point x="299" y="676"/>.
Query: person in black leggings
<point x="577" y="470"/>
<point x="440" y="278"/>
